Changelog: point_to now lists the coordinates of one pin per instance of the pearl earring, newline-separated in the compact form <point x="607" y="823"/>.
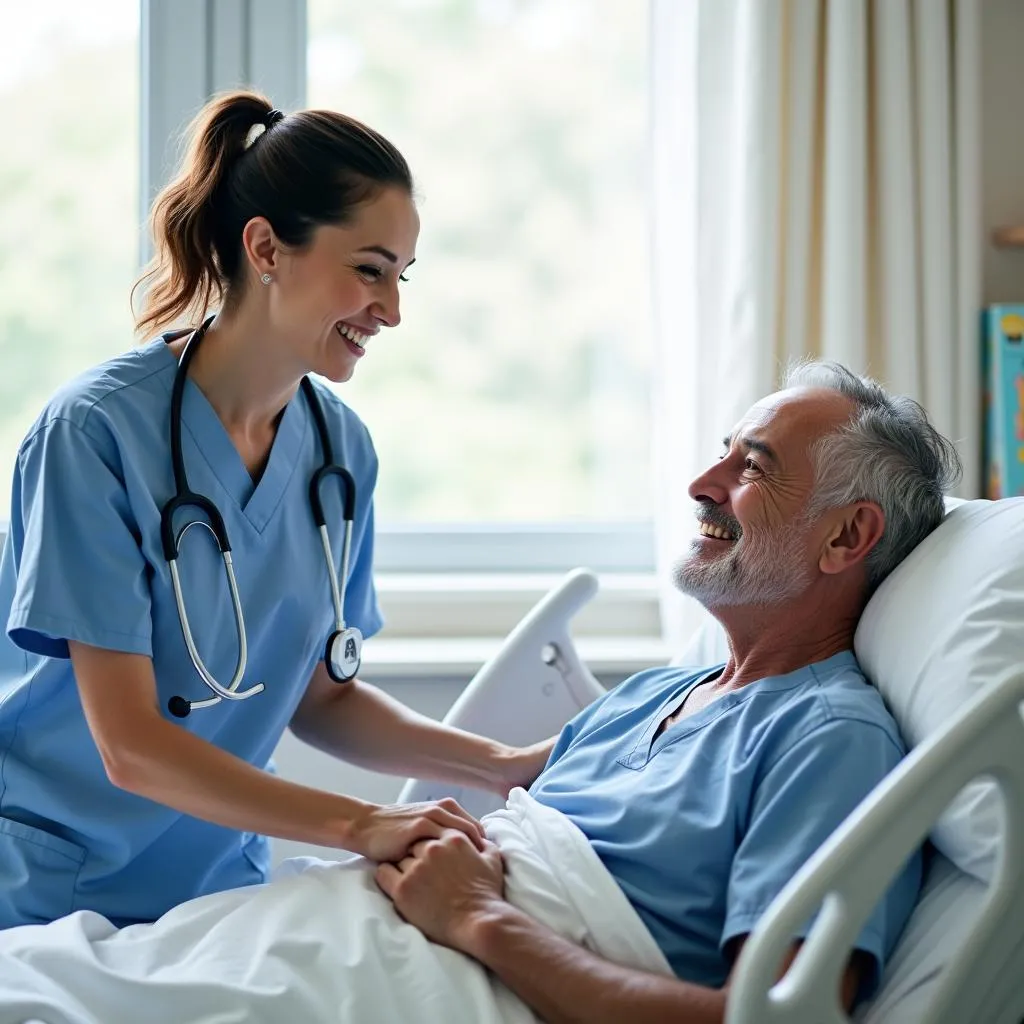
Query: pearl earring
<point x="266" y="279"/>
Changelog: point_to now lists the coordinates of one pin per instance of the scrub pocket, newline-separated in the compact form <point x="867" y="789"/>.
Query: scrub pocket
<point x="38" y="874"/>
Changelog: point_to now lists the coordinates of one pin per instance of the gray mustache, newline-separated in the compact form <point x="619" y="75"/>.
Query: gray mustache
<point x="710" y="515"/>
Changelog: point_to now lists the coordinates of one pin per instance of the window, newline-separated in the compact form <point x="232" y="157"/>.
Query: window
<point x="69" y="237"/>
<point x="511" y="410"/>
<point x="516" y="390"/>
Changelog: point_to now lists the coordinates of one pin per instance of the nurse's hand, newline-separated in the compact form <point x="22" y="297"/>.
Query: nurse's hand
<point x="388" y="832"/>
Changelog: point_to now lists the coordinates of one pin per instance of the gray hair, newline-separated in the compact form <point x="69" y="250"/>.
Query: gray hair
<point x="888" y="453"/>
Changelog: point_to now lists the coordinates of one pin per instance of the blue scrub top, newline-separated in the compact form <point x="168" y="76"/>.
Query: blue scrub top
<point x="703" y="826"/>
<point x="83" y="561"/>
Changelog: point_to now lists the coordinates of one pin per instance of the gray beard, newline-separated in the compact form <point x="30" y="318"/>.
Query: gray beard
<point x="767" y="570"/>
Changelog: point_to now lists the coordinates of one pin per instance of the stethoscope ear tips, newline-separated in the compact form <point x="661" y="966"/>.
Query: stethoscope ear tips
<point x="179" y="707"/>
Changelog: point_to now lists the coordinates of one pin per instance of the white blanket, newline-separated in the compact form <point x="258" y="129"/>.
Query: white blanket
<point x="320" y="944"/>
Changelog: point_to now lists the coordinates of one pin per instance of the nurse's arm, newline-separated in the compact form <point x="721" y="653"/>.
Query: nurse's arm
<point x="148" y="755"/>
<point x="361" y="724"/>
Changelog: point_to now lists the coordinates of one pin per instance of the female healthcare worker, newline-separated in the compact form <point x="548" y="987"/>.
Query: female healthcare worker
<point x="136" y="729"/>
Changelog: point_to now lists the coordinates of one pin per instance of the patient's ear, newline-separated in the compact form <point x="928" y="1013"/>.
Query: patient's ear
<point x="853" y="531"/>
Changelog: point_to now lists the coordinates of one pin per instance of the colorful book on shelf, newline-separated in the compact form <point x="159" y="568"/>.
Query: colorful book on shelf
<point x="1003" y="378"/>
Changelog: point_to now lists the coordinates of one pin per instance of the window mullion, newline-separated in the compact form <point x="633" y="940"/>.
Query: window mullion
<point x="276" y="38"/>
<point x="191" y="49"/>
<point x="174" y="70"/>
<point x="227" y="45"/>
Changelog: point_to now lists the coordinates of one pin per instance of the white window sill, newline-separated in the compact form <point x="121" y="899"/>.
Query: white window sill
<point x="460" y="659"/>
<point x="462" y="605"/>
<point x="446" y="626"/>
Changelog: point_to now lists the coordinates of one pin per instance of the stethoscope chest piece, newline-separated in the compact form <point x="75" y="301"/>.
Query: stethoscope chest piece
<point x="344" y="653"/>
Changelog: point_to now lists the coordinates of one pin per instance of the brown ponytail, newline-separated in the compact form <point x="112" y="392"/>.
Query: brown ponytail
<point x="306" y="169"/>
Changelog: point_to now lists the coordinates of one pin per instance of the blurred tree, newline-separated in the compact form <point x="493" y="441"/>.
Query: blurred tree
<point x="516" y="388"/>
<point x="69" y="173"/>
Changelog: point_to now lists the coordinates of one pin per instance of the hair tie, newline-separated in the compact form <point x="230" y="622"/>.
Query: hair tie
<point x="270" y="118"/>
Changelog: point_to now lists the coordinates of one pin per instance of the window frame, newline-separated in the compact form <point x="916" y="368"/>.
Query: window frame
<point x="190" y="49"/>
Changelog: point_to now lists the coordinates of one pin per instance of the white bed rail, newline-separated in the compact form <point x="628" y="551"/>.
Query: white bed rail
<point x="849" y="873"/>
<point x="531" y="687"/>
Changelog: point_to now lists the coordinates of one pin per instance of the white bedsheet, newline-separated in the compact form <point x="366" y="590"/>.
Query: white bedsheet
<point x="320" y="945"/>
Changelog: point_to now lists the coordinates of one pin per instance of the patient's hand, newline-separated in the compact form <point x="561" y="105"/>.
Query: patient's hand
<point x="445" y="886"/>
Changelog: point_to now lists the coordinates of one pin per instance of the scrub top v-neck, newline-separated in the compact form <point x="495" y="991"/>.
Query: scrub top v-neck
<point x="256" y="501"/>
<point x="83" y="562"/>
<point x="704" y="824"/>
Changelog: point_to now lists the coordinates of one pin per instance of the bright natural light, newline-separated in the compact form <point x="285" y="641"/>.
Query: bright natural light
<point x="516" y="388"/>
<point x="69" y="212"/>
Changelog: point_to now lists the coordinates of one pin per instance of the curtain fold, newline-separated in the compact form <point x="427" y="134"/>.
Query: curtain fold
<point x="815" y="184"/>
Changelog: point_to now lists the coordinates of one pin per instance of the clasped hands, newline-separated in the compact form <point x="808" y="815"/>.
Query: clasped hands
<point x="447" y="887"/>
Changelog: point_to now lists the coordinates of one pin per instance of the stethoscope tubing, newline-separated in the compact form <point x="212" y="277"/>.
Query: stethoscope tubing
<point x="185" y="497"/>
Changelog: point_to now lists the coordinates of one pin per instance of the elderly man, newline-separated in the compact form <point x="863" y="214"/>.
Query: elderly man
<point x="704" y="790"/>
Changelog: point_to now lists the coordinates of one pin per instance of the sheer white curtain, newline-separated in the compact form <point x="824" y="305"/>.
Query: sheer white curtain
<point x="815" y="193"/>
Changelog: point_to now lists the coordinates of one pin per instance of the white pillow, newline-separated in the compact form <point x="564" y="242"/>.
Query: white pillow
<point x="947" y="622"/>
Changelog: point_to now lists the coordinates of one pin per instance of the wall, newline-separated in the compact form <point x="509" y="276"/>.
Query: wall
<point x="1002" y="133"/>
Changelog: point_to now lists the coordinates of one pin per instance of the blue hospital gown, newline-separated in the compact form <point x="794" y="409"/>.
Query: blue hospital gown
<point x="83" y="562"/>
<point x="703" y="826"/>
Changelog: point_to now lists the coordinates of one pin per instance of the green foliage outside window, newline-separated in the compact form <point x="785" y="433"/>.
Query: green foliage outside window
<point x="516" y="388"/>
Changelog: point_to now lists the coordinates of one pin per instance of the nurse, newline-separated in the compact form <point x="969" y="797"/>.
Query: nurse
<point x="296" y="230"/>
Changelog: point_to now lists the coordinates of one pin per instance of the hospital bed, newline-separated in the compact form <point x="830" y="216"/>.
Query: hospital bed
<point x="943" y="640"/>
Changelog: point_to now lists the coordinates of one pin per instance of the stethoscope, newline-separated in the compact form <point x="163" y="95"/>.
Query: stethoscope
<point x="344" y="645"/>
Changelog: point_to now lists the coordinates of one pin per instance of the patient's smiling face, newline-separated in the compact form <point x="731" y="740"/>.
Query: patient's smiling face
<point x="755" y="544"/>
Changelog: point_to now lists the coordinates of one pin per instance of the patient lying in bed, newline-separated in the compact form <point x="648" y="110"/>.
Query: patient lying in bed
<point x="702" y="791"/>
<point x="653" y="848"/>
<point x="671" y="812"/>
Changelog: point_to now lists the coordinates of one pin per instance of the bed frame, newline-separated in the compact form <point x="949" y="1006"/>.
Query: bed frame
<point x="536" y="682"/>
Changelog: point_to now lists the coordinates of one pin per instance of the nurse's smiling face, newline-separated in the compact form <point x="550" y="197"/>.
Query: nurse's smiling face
<point x="328" y="300"/>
